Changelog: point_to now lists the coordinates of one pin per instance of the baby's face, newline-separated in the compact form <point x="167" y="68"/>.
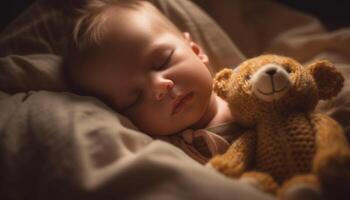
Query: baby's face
<point x="157" y="78"/>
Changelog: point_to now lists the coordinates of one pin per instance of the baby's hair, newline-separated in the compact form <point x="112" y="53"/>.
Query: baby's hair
<point x="90" y="26"/>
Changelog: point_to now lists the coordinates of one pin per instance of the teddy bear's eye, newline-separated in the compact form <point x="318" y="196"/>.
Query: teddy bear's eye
<point x="247" y="77"/>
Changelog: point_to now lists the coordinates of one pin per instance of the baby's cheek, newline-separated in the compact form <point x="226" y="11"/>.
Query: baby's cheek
<point x="150" y="123"/>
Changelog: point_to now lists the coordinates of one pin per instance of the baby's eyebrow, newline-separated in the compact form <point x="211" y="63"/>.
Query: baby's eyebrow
<point x="158" y="49"/>
<point x="156" y="55"/>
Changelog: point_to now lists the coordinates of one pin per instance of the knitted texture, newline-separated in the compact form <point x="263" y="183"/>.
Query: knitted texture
<point x="286" y="145"/>
<point x="274" y="97"/>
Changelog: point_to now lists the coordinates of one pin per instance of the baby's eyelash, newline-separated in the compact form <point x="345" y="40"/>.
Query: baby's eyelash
<point x="167" y="60"/>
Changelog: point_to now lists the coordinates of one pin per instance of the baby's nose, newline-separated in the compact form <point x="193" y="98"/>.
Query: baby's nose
<point x="162" y="87"/>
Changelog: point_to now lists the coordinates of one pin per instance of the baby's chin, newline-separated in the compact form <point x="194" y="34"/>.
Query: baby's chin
<point x="170" y="129"/>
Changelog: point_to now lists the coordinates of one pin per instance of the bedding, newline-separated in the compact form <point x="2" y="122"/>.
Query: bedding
<point x="63" y="146"/>
<point x="55" y="144"/>
<point x="31" y="72"/>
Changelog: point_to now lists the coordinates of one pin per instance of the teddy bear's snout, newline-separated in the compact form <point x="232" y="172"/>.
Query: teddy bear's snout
<point x="270" y="82"/>
<point x="271" y="71"/>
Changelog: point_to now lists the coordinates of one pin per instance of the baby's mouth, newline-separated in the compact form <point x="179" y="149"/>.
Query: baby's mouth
<point x="180" y="101"/>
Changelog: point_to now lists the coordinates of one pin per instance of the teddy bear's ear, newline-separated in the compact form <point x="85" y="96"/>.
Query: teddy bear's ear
<point x="221" y="82"/>
<point x="328" y="79"/>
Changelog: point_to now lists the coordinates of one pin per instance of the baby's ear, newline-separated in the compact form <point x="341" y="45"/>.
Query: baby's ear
<point x="196" y="48"/>
<point x="222" y="83"/>
<point x="328" y="79"/>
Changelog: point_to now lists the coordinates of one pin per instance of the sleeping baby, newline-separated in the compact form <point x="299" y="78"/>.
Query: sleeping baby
<point x="134" y="59"/>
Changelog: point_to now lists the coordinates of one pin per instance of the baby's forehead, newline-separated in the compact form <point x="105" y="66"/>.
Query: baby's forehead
<point x="138" y="32"/>
<point x="146" y="19"/>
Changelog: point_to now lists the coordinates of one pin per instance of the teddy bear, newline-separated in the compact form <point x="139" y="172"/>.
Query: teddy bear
<point x="286" y="148"/>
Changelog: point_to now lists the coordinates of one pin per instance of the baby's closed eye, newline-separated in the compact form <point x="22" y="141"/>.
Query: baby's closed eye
<point x="163" y="60"/>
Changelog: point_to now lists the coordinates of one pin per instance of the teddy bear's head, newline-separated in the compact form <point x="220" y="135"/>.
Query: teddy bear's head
<point x="271" y="83"/>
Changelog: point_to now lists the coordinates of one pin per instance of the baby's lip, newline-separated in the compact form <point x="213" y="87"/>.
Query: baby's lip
<point x="179" y="101"/>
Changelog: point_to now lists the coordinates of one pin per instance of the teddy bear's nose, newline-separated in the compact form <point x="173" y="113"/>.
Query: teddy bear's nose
<point x="271" y="71"/>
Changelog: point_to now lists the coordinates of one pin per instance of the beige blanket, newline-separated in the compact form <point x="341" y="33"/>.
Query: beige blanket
<point x="57" y="145"/>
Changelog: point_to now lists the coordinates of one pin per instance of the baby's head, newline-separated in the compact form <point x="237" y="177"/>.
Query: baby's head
<point x="133" y="58"/>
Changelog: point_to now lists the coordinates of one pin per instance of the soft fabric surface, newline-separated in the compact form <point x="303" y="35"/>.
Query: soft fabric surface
<point x="63" y="146"/>
<point x="59" y="145"/>
<point x="31" y="72"/>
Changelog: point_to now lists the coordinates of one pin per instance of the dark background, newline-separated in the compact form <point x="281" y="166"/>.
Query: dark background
<point x="333" y="13"/>
<point x="9" y="9"/>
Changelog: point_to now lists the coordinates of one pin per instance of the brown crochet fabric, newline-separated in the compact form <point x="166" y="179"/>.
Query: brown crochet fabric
<point x="275" y="97"/>
<point x="285" y="148"/>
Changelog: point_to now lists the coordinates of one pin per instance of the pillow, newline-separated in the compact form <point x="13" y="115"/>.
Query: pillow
<point x="31" y="72"/>
<point x="45" y="26"/>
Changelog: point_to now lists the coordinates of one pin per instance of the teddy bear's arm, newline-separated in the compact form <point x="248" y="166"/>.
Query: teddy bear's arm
<point x="331" y="142"/>
<point x="332" y="159"/>
<point x="238" y="156"/>
<point x="329" y="134"/>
